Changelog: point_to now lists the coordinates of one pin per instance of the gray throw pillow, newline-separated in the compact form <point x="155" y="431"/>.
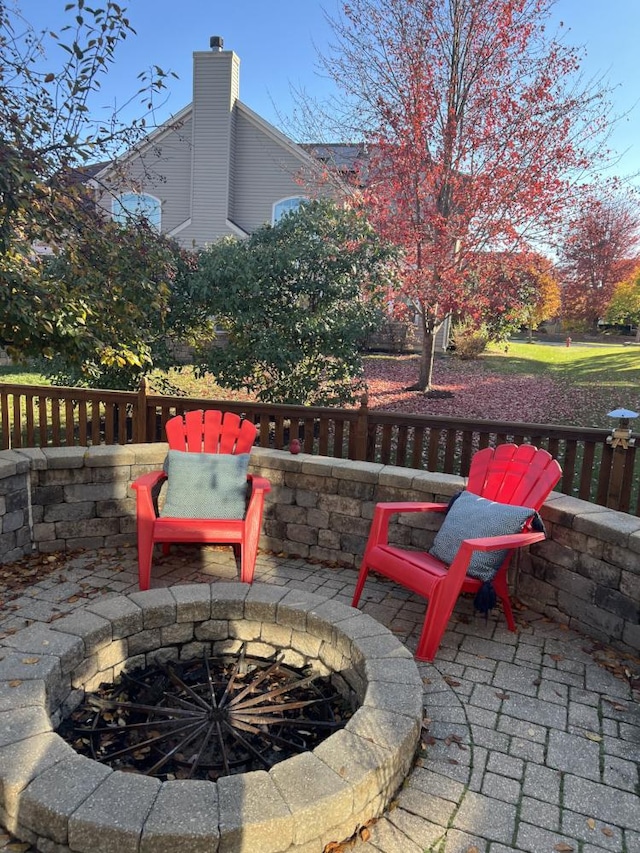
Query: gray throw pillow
<point x="473" y="517"/>
<point x="205" y="485"/>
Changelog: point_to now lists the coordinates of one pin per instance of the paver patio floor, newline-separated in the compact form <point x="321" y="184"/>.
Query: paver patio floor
<point x="531" y="740"/>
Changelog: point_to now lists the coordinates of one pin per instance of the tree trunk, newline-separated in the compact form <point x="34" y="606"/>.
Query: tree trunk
<point x="427" y="354"/>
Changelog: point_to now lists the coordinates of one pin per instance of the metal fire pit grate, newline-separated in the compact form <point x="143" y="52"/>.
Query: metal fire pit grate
<point x="206" y="718"/>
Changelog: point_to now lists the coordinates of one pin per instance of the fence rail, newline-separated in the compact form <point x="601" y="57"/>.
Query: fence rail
<point x="50" y="416"/>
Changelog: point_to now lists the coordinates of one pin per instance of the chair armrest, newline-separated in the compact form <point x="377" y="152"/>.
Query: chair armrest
<point x="500" y="543"/>
<point x="258" y="484"/>
<point x="147" y="487"/>
<point x="460" y="564"/>
<point x="379" y="533"/>
<point x="149" y="481"/>
<point x="391" y="507"/>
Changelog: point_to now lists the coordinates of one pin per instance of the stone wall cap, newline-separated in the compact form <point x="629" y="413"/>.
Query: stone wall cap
<point x="318" y="464"/>
<point x="149" y="453"/>
<point x="564" y="508"/>
<point x="432" y="481"/>
<point x="360" y="472"/>
<point x="15" y="461"/>
<point x="106" y="455"/>
<point x="280" y="460"/>
<point x="609" y="525"/>
<point x="33" y="456"/>
<point x="65" y="457"/>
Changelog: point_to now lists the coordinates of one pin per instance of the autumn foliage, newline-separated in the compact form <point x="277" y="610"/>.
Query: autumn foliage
<point x="475" y="121"/>
<point x="601" y="250"/>
<point x="506" y="291"/>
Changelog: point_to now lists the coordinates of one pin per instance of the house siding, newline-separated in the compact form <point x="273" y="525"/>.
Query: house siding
<point x="162" y="169"/>
<point x="219" y="169"/>
<point x="265" y="172"/>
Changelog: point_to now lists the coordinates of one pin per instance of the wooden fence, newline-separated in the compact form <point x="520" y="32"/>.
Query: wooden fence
<point x="49" y="416"/>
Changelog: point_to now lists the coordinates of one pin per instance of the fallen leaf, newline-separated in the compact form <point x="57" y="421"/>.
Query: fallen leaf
<point x="591" y="823"/>
<point x="617" y="706"/>
<point x="503" y="696"/>
<point x="607" y="831"/>
<point x="16" y="682"/>
<point x="593" y="736"/>
<point x="451" y="681"/>
<point x="557" y="658"/>
<point x="365" y="835"/>
<point x="30" y="660"/>
<point x="473" y="849"/>
<point x="562" y="847"/>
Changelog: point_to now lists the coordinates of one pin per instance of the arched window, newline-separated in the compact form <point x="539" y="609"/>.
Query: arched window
<point x="286" y="205"/>
<point x="138" y="206"/>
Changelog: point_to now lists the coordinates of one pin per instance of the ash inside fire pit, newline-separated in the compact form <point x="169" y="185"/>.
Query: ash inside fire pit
<point x="206" y="718"/>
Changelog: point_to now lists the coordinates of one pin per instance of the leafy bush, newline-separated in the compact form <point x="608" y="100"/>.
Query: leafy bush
<point x="469" y="340"/>
<point x="297" y="301"/>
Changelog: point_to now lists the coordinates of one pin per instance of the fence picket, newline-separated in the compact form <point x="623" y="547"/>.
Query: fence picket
<point x="592" y="470"/>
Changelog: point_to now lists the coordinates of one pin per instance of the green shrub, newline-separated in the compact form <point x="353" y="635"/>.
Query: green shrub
<point x="469" y="340"/>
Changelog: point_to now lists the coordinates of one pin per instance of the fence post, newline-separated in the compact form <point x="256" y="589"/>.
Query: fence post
<point x="621" y="479"/>
<point x="141" y="414"/>
<point x="362" y="429"/>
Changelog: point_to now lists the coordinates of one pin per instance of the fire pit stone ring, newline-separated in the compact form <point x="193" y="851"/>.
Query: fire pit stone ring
<point x="61" y="801"/>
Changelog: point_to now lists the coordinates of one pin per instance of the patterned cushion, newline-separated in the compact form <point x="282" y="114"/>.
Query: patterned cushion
<point x="205" y="485"/>
<point x="473" y="517"/>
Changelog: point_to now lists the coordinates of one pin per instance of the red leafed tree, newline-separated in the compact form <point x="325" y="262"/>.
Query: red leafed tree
<point x="505" y="291"/>
<point x="476" y="120"/>
<point x="600" y="250"/>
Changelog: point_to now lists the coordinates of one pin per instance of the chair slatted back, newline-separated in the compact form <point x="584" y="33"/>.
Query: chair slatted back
<point x="210" y="431"/>
<point x="521" y="475"/>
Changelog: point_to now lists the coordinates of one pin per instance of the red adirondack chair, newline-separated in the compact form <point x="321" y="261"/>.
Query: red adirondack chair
<point x="511" y="474"/>
<point x="201" y="432"/>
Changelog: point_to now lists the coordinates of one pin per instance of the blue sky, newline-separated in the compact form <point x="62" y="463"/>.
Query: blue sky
<point x="276" y="41"/>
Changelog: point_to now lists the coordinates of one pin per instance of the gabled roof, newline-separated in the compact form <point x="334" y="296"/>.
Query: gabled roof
<point x="343" y="156"/>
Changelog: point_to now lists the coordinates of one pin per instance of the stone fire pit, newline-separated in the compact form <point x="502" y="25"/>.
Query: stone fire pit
<point x="60" y="800"/>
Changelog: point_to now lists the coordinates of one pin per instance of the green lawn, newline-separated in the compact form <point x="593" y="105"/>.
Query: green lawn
<point x="579" y="364"/>
<point x="606" y="376"/>
<point x="591" y="367"/>
<point x="21" y="375"/>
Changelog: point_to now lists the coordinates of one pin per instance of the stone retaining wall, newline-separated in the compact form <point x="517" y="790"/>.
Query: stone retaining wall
<point x="587" y="572"/>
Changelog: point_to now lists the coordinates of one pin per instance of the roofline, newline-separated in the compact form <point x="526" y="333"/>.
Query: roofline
<point x="149" y="139"/>
<point x="276" y="134"/>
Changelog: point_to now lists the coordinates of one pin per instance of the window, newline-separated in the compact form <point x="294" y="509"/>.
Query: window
<point x="287" y="205"/>
<point x="138" y="206"/>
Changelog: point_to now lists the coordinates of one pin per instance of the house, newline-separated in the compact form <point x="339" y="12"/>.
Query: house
<point x="216" y="168"/>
